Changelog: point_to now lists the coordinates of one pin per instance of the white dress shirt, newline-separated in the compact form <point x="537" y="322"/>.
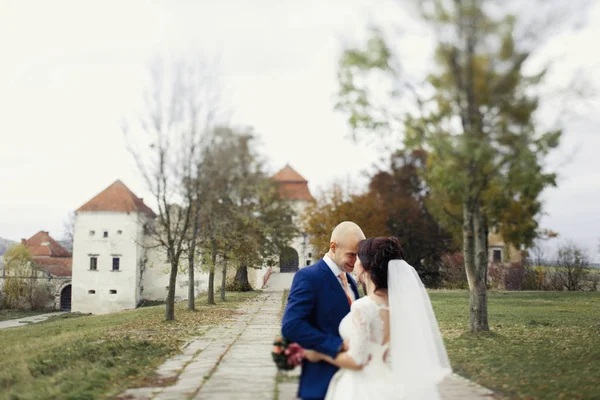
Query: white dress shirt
<point x="337" y="271"/>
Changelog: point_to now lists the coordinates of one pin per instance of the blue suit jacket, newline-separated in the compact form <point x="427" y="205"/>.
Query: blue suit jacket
<point x="316" y="305"/>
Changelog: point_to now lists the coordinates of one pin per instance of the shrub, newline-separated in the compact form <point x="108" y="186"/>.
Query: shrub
<point x="572" y="266"/>
<point x="40" y="296"/>
<point x="453" y="272"/>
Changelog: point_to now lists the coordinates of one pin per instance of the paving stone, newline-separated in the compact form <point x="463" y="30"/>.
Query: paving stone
<point x="140" y="393"/>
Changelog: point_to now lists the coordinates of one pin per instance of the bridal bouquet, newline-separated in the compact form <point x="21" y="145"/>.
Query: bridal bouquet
<point x="286" y="355"/>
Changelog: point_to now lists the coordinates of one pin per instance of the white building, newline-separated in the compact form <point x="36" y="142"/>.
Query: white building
<point x="112" y="268"/>
<point x="115" y="266"/>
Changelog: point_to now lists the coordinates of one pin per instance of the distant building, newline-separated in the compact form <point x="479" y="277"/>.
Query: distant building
<point x="501" y="253"/>
<point x="294" y="188"/>
<point x="115" y="266"/>
<point x="52" y="265"/>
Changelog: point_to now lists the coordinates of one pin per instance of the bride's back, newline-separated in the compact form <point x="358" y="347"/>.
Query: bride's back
<point x="367" y="329"/>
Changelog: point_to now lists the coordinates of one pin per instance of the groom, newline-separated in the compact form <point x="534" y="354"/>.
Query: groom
<point x="319" y="298"/>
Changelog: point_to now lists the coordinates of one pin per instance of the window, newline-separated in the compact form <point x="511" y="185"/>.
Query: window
<point x="92" y="233"/>
<point x="119" y="232"/>
<point x="497" y="256"/>
<point x="105" y="233"/>
<point x="91" y="292"/>
<point x="307" y="263"/>
<point x="310" y="254"/>
<point x="116" y="263"/>
<point x="93" y="263"/>
<point x="112" y="291"/>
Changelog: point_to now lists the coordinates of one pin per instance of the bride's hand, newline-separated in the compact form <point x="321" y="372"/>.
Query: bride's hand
<point x="312" y="356"/>
<point x="345" y="345"/>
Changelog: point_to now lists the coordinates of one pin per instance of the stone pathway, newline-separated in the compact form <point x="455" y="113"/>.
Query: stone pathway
<point x="233" y="361"/>
<point x="11" y="323"/>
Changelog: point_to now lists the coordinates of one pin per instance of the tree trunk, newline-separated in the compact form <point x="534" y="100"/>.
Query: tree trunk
<point x="211" y="274"/>
<point x="240" y="282"/>
<point x="170" y="309"/>
<point x="191" y="286"/>
<point x="224" y="278"/>
<point x="191" y="262"/>
<point x="475" y="265"/>
<point x="487" y="233"/>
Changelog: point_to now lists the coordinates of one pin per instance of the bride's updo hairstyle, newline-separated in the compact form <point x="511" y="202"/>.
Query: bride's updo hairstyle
<point x="375" y="254"/>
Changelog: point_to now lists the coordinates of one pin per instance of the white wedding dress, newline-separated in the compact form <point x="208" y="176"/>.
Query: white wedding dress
<point x="363" y="328"/>
<point x="416" y="361"/>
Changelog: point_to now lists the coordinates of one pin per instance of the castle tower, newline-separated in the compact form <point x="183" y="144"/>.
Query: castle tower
<point x="293" y="187"/>
<point x="108" y="252"/>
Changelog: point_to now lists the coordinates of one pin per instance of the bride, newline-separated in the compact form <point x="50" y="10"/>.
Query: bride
<point x="394" y="348"/>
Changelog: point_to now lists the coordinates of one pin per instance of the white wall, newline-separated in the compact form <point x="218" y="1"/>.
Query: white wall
<point x="156" y="277"/>
<point x="126" y="246"/>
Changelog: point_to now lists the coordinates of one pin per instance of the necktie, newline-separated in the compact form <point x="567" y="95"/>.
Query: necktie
<point x="344" y="279"/>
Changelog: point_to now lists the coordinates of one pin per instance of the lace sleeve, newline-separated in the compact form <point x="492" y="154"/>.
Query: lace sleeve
<point x="360" y="337"/>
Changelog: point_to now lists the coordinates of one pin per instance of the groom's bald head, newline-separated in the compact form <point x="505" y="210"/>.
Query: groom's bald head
<point x="344" y="244"/>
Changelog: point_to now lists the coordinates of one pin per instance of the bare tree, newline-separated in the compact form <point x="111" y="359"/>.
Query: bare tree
<point x="572" y="266"/>
<point x="69" y="230"/>
<point x="166" y="146"/>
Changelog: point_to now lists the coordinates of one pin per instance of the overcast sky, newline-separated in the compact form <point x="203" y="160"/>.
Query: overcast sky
<point x="71" y="70"/>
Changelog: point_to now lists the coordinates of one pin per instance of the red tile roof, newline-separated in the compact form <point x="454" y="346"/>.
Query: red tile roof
<point x="288" y="174"/>
<point x="292" y="185"/>
<point x="56" y="266"/>
<point x="116" y="198"/>
<point x="42" y="245"/>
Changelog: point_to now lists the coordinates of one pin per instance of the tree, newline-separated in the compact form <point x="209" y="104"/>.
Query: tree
<point x="572" y="266"/>
<point x="166" y="150"/>
<point x="260" y="222"/>
<point x="394" y="205"/>
<point x="217" y="216"/>
<point x="22" y="289"/>
<point x="404" y="196"/>
<point x="334" y="205"/>
<point x="476" y="117"/>
<point x="69" y="231"/>
<point x="19" y="276"/>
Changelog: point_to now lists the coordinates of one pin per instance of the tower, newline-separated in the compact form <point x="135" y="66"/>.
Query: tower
<point x="108" y="251"/>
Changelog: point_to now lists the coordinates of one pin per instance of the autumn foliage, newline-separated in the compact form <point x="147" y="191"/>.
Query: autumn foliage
<point x="393" y="205"/>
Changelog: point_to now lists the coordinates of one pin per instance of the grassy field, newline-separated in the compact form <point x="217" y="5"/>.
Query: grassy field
<point x="96" y="357"/>
<point x="15" y="314"/>
<point x="543" y="345"/>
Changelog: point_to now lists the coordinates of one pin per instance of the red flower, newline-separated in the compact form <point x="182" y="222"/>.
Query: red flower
<point x="286" y="355"/>
<point x="295" y="354"/>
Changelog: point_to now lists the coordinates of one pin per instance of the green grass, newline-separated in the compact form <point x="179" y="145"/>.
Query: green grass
<point x="16" y="314"/>
<point x="97" y="357"/>
<point x="543" y="345"/>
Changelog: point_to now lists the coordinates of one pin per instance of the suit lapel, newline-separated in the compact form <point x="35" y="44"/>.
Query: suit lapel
<point x="353" y="284"/>
<point x="333" y="281"/>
